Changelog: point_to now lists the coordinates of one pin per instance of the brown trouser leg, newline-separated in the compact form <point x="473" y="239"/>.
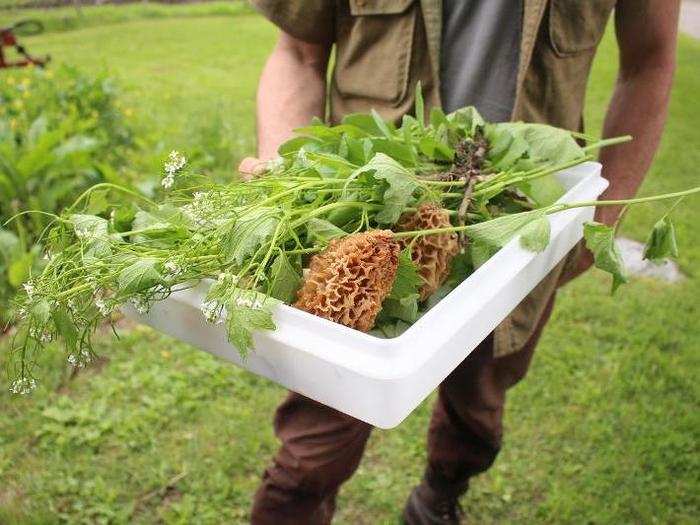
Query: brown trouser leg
<point x="321" y="447"/>
<point x="466" y="427"/>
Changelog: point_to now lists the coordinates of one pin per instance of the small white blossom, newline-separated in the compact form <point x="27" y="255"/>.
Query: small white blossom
<point x="29" y="288"/>
<point x="255" y="304"/>
<point x="42" y="337"/>
<point x="140" y="304"/>
<point x="173" y="268"/>
<point x="81" y="360"/>
<point x="212" y="312"/>
<point x="168" y="181"/>
<point x="102" y="306"/>
<point x="23" y="386"/>
<point x="176" y="161"/>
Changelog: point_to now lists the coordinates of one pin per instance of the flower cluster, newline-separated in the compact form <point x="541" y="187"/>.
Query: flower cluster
<point x="23" y="386"/>
<point x="176" y="161"/>
<point x="80" y="360"/>
<point x="212" y="312"/>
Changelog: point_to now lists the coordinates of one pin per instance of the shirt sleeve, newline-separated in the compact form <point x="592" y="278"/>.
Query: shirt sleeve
<point x="308" y="20"/>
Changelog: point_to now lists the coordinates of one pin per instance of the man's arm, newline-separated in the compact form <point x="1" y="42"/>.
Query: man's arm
<point x="646" y="33"/>
<point x="292" y="90"/>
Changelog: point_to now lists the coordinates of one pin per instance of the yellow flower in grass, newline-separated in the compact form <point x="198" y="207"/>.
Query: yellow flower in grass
<point x="18" y="104"/>
<point x="128" y="112"/>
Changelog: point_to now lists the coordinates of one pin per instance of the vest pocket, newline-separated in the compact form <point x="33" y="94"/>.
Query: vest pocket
<point x="374" y="48"/>
<point x="577" y="26"/>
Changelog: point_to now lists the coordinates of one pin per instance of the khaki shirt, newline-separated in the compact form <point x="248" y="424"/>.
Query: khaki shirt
<point x="384" y="47"/>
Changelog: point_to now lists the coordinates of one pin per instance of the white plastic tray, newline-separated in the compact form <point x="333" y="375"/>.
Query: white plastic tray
<point x="381" y="381"/>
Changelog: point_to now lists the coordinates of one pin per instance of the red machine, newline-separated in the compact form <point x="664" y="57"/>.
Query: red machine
<point x="8" y="38"/>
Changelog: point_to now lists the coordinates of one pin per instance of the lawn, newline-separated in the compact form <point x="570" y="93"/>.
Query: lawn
<point x="604" y="430"/>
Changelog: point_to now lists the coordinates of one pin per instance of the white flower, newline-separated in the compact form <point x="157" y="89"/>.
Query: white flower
<point x="29" y="288"/>
<point x="80" y="360"/>
<point x="173" y="268"/>
<point x="140" y="304"/>
<point x="176" y="161"/>
<point x="212" y="312"/>
<point x="23" y="386"/>
<point x="246" y="302"/>
<point x="42" y="337"/>
<point x="102" y="306"/>
<point x="168" y="181"/>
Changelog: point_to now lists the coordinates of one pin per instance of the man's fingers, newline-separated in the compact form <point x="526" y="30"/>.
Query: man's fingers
<point x="250" y="167"/>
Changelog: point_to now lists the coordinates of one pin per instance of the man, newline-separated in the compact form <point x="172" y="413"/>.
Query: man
<point x="513" y="59"/>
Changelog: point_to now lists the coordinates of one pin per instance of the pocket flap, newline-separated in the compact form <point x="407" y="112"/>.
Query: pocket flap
<point x="379" y="7"/>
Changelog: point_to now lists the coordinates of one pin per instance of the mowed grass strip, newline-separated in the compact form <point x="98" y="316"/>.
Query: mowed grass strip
<point x="604" y="429"/>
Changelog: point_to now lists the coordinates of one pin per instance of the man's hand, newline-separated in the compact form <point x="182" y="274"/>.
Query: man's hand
<point x="251" y="167"/>
<point x="646" y="34"/>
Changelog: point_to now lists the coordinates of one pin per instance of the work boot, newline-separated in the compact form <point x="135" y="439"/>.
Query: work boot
<point x="426" y="506"/>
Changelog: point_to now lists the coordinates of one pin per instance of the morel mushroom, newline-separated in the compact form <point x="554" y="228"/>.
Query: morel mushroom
<point x="348" y="281"/>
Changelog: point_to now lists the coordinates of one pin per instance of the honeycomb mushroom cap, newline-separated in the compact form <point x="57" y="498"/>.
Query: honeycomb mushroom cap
<point x="348" y="281"/>
<point x="432" y="254"/>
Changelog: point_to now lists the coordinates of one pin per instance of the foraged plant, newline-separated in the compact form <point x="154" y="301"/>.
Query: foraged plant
<point x="348" y="282"/>
<point x="336" y="191"/>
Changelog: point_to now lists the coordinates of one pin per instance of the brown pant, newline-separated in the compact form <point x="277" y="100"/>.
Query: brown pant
<point x="321" y="447"/>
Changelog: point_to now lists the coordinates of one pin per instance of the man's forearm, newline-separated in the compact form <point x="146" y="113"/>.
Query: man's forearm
<point x="291" y="92"/>
<point x="646" y="33"/>
<point x="639" y="107"/>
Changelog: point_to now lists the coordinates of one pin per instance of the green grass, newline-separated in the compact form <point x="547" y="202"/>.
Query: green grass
<point x="603" y="430"/>
<point x="69" y="18"/>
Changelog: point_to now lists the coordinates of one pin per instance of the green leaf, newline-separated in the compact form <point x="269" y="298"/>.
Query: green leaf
<point x="544" y="143"/>
<point x="89" y="226"/>
<point x="139" y="276"/>
<point x="41" y="311"/>
<point x="66" y="327"/>
<point x="494" y="234"/>
<point x="242" y="320"/>
<point x="600" y="240"/>
<point x="97" y="202"/>
<point x="405" y="309"/>
<point x="363" y="121"/>
<point x="37" y="129"/>
<point x="76" y="144"/>
<point x="534" y="236"/>
<point x="661" y="243"/>
<point x="402" y="301"/>
<point x="407" y="281"/>
<point x="381" y="124"/>
<point x="248" y="233"/>
<point x="401" y="183"/>
<point x="468" y="120"/>
<point x="320" y="230"/>
<point x="285" y="280"/>
<point x="435" y="149"/>
<point x="19" y="269"/>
